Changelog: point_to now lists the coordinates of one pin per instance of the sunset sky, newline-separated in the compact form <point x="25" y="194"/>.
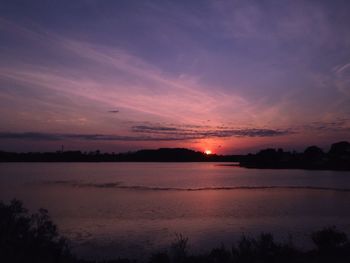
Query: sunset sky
<point x="225" y="76"/>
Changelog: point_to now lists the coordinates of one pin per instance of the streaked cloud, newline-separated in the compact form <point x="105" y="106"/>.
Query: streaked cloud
<point x="153" y="134"/>
<point x="223" y="71"/>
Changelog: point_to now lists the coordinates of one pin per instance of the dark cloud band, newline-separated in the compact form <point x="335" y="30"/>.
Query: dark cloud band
<point x="147" y="134"/>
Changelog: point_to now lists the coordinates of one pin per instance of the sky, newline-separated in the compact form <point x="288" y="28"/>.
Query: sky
<point x="225" y="76"/>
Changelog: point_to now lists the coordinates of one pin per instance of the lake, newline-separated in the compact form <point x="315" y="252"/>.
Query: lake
<point x="132" y="209"/>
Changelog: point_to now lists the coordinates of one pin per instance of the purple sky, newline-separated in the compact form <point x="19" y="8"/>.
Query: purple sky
<point x="228" y="76"/>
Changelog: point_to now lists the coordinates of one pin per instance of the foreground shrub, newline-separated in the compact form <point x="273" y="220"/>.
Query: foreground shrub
<point x="29" y="238"/>
<point x="329" y="239"/>
<point x="34" y="238"/>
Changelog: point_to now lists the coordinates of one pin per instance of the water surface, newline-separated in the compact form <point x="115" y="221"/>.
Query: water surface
<point x="130" y="209"/>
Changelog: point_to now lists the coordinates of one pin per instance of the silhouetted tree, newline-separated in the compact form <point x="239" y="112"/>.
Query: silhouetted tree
<point x="329" y="239"/>
<point x="340" y="148"/>
<point x="29" y="238"/>
<point x="313" y="152"/>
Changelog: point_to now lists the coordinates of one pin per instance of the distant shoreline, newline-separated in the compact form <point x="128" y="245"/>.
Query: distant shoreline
<point x="313" y="158"/>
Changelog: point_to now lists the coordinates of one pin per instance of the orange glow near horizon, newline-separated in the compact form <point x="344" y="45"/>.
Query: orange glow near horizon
<point x="207" y="152"/>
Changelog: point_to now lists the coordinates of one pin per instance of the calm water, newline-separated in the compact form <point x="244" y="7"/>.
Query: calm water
<point x="123" y="209"/>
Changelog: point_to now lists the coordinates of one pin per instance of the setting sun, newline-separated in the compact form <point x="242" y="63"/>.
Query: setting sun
<point x="207" y="152"/>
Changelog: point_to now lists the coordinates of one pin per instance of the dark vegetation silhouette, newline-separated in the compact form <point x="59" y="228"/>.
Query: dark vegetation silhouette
<point x="337" y="158"/>
<point x="29" y="238"/>
<point x="34" y="238"/>
<point x="159" y="155"/>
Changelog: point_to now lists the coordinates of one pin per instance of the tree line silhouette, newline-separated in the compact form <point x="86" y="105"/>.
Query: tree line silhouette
<point x="337" y="158"/>
<point x="159" y="155"/>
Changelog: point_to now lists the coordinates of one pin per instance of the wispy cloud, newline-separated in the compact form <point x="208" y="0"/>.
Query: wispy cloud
<point x="115" y="77"/>
<point x="341" y="68"/>
<point x="144" y="128"/>
<point x="342" y="79"/>
<point x="171" y="71"/>
<point x="208" y="132"/>
<point x="38" y="136"/>
<point x="336" y="125"/>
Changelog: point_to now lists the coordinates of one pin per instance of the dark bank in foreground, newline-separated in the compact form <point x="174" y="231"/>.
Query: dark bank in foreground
<point x="35" y="238"/>
<point x="337" y="158"/>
